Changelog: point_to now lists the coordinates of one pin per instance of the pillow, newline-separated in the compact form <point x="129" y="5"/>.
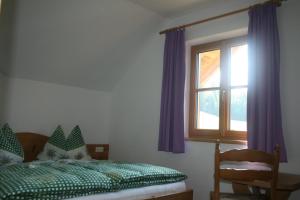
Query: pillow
<point x="11" y="150"/>
<point x="76" y="146"/>
<point x="56" y="147"/>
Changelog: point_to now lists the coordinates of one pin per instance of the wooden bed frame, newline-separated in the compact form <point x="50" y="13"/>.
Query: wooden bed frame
<point x="33" y="144"/>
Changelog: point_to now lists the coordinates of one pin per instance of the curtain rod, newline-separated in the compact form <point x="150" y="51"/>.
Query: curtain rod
<point x="277" y="2"/>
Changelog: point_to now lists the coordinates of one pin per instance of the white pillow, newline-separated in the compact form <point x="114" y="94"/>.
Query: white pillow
<point x="60" y="147"/>
<point x="76" y="147"/>
<point x="56" y="146"/>
<point x="11" y="150"/>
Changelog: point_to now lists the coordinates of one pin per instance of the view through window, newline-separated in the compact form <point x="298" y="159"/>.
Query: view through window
<point x="218" y="100"/>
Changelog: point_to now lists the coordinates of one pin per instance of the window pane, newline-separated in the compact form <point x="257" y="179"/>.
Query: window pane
<point x="208" y="69"/>
<point x="207" y="115"/>
<point x="239" y="65"/>
<point x="238" y="109"/>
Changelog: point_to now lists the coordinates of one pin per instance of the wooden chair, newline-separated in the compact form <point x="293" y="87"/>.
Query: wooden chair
<point x="249" y="167"/>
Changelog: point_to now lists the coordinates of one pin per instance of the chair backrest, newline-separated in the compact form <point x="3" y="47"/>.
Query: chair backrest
<point x="246" y="165"/>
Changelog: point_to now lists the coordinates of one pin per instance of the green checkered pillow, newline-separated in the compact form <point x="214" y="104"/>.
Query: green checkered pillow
<point x="11" y="150"/>
<point x="76" y="146"/>
<point x="56" y="147"/>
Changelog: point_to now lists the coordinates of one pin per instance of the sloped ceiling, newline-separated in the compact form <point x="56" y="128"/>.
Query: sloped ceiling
<point x="84" y="43"/>
<point x="168" y="8"/>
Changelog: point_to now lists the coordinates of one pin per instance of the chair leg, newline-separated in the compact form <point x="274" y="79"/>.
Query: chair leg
<point x="215" y="196"/>
<point x="273" y="194"/>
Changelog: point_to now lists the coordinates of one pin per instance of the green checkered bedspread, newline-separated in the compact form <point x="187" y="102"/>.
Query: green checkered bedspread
<point x="65" y="179"/>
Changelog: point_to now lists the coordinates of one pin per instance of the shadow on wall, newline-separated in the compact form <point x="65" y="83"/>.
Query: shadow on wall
<point x="3" y="98"/>
<point x="7" y="25"/>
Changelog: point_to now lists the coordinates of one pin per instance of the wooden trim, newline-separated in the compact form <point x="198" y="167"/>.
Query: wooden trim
<point x="32" y="143"/>
<point x="217" y="173"/>
<point x="225" y="141"/>
<point x="103" y="155"/>
<point x="276" y="157"/>
<point x="229" y="137"/>
<point x="250" y="155"/>
<point x="207" y="89"/>
<point x="195" y="50"/>
<point x="236" y="135"/>
<point x="186" y="195"/>
<point x="224" y="132"/>
<point x="223" y="117"/>
<point x="211" y="46"/>
<point x="192" y="104"/>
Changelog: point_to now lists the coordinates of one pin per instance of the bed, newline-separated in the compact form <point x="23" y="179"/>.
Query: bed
<point x="156" y="183"/>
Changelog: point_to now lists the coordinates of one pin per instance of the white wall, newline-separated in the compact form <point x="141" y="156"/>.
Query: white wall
<point x="2" y="92"/>
<point x="136" y="100"/>
<point x="40" y="107"/>
<point x="289" y="29"/>
<point x="74" y="42"/>
<point x="7" y="19"/>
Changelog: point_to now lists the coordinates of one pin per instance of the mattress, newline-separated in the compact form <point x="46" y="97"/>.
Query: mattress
<point x="66" y="179"/>
<point x="138" y="193"/>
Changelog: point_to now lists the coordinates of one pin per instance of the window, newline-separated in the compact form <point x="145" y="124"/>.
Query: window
<point x="218" y="90"/>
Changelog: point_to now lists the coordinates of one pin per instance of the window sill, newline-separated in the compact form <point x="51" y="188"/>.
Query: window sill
<point x="209" y="140"/>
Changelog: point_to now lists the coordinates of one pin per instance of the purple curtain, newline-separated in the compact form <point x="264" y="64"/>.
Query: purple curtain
<point x="264" y="111"/>
<point x="171" y="130"/>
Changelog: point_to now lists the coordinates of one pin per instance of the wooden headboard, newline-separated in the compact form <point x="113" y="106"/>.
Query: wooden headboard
<point x="33" y="144"/>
